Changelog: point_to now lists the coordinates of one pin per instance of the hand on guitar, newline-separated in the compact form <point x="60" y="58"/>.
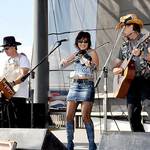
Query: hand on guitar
<point x="136" y="52"/>
<point x="12" y="83"/>
<point x="116" y="66"/>
<point x="117" y="70"/>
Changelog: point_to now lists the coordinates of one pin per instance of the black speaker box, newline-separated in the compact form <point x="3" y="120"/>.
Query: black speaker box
<point x="38" y="115"/>
<point x="32" y="115"/>
<point x="32" y="139"/>
<point x="125" y="141"/>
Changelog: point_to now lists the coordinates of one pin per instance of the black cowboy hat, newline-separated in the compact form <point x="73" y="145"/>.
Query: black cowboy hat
<point x="9" y="41"/>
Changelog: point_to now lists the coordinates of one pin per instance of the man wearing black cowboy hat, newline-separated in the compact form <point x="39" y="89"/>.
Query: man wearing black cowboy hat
<point x="16" y="67"/>
<point x="136" y="47"/>
<point x="10" y="41"/>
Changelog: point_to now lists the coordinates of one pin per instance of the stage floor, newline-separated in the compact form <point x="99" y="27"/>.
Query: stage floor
<point x="80" y="137"/>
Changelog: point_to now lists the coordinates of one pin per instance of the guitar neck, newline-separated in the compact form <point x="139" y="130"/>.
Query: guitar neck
<point x="126" y="62"/>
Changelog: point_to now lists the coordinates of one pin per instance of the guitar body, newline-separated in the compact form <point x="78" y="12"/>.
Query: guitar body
<point x="122" y="81"/>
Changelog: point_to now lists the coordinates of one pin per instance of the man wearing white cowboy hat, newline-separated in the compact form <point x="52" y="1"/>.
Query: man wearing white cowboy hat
<point x="137" y="48"/>
<point x="15" y="68"/>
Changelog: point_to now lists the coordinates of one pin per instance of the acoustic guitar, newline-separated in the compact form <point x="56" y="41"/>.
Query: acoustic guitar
<point x="121" y="82"/>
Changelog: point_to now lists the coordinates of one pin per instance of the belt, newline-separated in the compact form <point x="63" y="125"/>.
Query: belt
<point x="82" y="80"/>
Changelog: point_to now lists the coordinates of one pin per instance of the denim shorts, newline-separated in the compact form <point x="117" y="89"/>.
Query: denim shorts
<point x="81" y="90"/>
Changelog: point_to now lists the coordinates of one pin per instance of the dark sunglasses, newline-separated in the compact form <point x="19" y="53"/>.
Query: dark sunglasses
<point x="82" y="41"/>
<point x="6" y="48"/>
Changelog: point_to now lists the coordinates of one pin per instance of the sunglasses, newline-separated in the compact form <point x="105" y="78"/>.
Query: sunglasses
<point x="82" y="41"/>
<point x="6" y="48"/>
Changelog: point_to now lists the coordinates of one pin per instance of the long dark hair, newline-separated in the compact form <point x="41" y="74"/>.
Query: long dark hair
<point x="83" y="35"/>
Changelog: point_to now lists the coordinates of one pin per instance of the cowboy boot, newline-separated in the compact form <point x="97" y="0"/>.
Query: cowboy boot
<point x="70" y="135"/>
<point x="90" y="134"/>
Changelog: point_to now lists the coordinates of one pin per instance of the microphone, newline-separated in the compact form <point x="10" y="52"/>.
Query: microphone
<point x="63" y="40"/>
<point x="25" y="77"/>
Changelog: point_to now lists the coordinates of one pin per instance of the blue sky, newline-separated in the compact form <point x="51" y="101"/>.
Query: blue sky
<point x="16" y="18"/>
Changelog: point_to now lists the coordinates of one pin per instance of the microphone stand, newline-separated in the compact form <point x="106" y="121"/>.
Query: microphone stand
<point x="43" y="59"/>
<point x="105" y="72"/>
<point x="31" y="71"/>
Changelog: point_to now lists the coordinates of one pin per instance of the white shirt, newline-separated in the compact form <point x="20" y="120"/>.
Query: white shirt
<point x="12" y="71"/>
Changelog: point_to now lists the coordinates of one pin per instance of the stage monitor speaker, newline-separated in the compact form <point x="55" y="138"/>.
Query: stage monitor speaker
<point x="39" y="118"/>
<point x="38" y="115"/>
<point x="31" y="139"/>
<point x="125" y="141"/>
<point x="7" y="145"/>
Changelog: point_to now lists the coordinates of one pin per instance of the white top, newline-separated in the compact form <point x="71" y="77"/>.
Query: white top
<point x="12" y="71"/>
